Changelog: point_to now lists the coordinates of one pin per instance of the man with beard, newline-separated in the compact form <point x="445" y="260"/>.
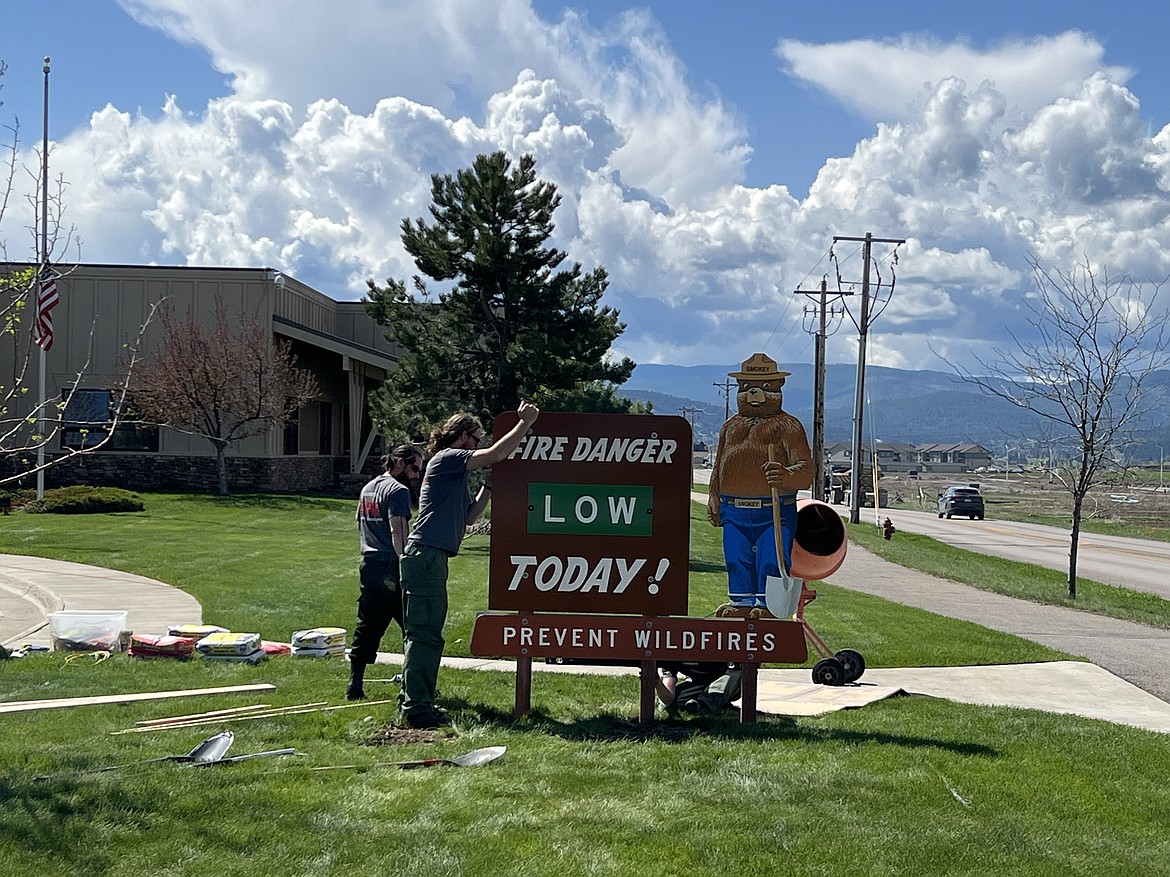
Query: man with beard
<point x="383" y="520"/>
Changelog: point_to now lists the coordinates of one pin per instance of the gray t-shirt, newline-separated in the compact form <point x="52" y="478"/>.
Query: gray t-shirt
<point x="443" y="502"/>
<point x="382" y="498"/>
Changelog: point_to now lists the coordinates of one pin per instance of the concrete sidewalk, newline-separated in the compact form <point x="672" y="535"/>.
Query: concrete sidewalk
<point x="30" y="587"/>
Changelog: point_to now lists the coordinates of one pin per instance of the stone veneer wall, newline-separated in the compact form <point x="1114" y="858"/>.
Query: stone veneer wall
<point x="160" y="472"/>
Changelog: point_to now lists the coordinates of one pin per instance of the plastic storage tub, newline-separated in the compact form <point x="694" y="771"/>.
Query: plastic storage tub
<point x="79" y="630"/>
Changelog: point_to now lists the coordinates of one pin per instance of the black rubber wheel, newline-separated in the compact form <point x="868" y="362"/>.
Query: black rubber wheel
<point x="948" y="516"/>
<point x="974" y="517"/>
<point x="828" y="671"/>
<point x="853" y="663"/>
<point x="979" y="517"/>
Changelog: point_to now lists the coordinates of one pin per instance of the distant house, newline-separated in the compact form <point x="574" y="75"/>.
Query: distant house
<point x="953" y="457"/>
<point x="898" y="457"/>
<point x="101" y="310"/>
<point x="891" y="456"/>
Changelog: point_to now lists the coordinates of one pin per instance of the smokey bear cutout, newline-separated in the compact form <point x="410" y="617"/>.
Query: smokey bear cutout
<point x="743" y="479"/>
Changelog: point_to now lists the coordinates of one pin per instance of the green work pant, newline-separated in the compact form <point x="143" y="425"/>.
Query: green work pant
<point x="424" y="610"/>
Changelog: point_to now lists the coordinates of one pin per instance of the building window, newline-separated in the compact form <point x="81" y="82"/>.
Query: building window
<point x="133" y="435"/>
<point x="325" y="423"/>
<point x="88" y="416"/>
<point x="292" y="435"/>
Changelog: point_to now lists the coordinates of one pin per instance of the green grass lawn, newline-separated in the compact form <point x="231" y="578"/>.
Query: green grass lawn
<point x="906" y="786"/>
<point x="1038" y="584"/>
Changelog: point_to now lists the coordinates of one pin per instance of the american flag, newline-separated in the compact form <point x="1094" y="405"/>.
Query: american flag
<point x="46" y="301"/>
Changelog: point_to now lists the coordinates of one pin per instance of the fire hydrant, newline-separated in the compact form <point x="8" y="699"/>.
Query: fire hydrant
<point x="888" y="528"/>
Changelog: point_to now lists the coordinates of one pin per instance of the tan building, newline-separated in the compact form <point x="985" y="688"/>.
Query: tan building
<point x="101" y="311"/>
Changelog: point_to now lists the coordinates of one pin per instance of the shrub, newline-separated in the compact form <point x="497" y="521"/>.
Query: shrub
<point x="84" y="500"/>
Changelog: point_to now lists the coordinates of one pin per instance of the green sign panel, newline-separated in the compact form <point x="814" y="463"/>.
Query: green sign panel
<point x="591" y="509"/>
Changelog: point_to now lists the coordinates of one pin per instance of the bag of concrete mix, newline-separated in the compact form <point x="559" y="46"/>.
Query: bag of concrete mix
<point x="195" y="631"/>
<point x="254" y="658"/>
<point x="227" y="644"/>
<point x="319" y="638"/>
<point x="146" y="646"/>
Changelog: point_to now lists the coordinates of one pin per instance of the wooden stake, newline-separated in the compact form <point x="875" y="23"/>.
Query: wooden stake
<point x="207" y="715"/>
<point x="20" y="706"/>
<point x="269" y="714"/>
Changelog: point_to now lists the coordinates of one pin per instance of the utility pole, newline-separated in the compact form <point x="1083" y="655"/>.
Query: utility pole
<point x="726" y="387"/>
<point x="692" y="410"/>
<point x="818" y="438"/>
<point x="862" y="330"/>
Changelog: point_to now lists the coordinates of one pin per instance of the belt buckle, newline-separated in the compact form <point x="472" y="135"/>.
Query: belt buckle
<point x="749" y="504"/>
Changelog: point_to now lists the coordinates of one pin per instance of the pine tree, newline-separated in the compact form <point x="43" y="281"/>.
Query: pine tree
<point x="510" y="326"/>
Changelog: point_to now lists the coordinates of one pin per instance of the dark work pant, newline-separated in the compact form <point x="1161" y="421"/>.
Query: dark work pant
<point x="379" y="603"/>
<point x="715" y="685"/>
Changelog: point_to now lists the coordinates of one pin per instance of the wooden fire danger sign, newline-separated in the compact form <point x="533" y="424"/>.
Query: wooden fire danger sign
<point x="591" y="513"/>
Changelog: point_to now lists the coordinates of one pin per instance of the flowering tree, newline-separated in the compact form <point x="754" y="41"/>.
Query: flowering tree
<point x="225" y="381"/>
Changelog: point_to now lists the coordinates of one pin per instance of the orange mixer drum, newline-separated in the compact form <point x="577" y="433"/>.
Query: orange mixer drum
<point x="819" y="547"/>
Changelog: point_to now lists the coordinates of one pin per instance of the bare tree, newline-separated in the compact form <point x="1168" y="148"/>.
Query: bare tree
<point x="225" y="381"/>
<point x="1096" y="340"/>
<point x="29" y="424"/>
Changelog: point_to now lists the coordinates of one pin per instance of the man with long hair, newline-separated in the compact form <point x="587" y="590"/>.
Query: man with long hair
<point x="383" y="519"/>
<point x="445" y="510"/>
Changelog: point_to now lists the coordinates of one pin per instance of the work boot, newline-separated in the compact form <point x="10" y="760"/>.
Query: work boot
<point x="426" y="719"/>
<point x="760" y="612"/>
<point x="354" y="691"/>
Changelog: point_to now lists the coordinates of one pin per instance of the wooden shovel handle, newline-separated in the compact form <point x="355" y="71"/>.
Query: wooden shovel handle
<point x="776" y="518"/>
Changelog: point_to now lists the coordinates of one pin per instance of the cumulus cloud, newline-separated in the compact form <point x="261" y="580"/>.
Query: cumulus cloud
<point x="887" y="80"/>
<point x="987" y="157"/>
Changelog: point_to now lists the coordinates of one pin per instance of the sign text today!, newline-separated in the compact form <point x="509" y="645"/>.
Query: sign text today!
<point x="591" y="513"/>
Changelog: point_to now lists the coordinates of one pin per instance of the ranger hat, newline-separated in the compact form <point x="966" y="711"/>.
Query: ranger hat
<point x="758" y="367"/>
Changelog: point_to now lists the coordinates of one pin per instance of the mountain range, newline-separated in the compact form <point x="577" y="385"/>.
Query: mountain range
<point x="914" y="407"/>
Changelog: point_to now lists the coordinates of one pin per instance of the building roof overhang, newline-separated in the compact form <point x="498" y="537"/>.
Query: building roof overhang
<point x="335" y="344"/>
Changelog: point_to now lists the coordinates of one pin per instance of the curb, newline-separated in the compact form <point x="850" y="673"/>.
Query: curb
<point x="44" y="599"/>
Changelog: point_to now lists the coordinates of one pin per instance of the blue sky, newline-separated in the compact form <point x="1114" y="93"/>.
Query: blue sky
<point x="707" y="152"/>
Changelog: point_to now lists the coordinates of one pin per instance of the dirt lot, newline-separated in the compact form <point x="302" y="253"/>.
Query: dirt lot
<point x="1118" y="499"/>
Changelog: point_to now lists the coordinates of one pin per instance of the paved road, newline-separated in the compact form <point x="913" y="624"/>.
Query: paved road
<point x="1135" y="652"/>
<point x="1138" y="564"/>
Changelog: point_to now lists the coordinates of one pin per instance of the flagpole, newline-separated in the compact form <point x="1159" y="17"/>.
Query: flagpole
<point x="42" y="272"/>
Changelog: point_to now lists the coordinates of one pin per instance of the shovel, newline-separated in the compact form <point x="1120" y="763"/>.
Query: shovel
<point x="209" y="751"/>
<point x="474" y="758"/>
<point x="237" y="758"/>
<point x="782" y="592"/>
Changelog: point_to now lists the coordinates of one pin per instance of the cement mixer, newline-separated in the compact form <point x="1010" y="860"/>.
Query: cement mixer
<point x="818" y="551"/>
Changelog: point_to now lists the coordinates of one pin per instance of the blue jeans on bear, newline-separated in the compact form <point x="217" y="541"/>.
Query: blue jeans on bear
<point x="749" y="546"/>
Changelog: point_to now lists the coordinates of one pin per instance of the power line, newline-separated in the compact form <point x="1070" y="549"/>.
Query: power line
<point x="863" y="323"/>
<point x="818" y="442"/>
<point x="726" y="386"/>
